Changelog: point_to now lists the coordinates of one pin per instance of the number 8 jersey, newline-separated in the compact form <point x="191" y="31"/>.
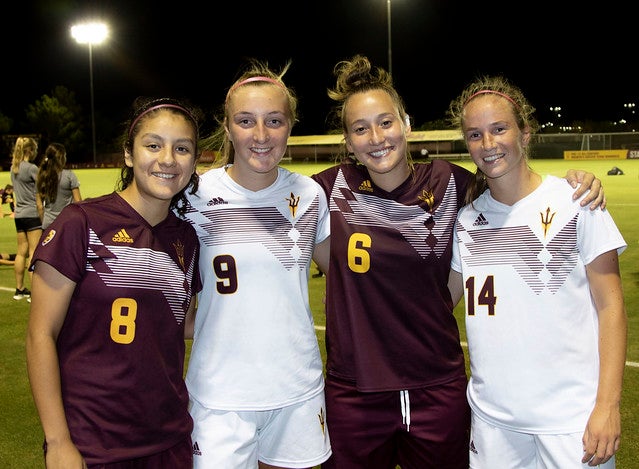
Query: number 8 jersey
<point x="121" y="348"/>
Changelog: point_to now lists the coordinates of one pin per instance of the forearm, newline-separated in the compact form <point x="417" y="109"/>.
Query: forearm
<point x="612" y="355"/>
<point x="44" y="378"/>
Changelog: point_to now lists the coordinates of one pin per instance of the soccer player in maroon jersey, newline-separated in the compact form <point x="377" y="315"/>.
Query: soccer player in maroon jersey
<point x="396" y="380"/>
<point x="114" y="283"/>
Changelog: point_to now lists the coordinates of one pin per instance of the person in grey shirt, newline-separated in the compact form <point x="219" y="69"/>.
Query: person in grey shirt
<point x="56" y="187"/>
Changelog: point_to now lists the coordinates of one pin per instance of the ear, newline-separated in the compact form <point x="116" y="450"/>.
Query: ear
<point x="525" y="137"/>
<point x="407" y="126"/>
<point x="128" y="158"/>
<point x="226" y="130"/>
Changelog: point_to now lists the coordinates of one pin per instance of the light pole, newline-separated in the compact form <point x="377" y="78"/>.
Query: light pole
<point x="390" y="47"/>
<point x="90" y="33"/>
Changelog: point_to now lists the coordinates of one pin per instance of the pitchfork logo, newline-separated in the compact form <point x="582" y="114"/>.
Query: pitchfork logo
<point x="546" y="220"/>
<point x="293" y="202"/>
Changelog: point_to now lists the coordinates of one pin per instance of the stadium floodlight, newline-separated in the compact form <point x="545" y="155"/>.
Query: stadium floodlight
<point x="91" y="33"/>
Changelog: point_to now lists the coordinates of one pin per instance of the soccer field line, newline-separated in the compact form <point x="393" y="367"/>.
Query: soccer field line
<point x="465" y="345"/>
<point x="322" y="328"/>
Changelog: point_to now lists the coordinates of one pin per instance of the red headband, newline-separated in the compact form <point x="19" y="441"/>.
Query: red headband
<point x="252" y="79"/>
<point x="499" y="93"/>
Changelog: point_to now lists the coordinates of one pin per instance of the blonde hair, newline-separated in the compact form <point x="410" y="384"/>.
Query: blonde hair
<point x="522" y="110"/>
<point x="257" y="73"/>
<point x="25" y="148"/>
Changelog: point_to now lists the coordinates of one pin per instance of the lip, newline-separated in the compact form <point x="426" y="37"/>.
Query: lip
<point x="381" y="152"/>
<point x="261" y="151"/>
<point x="492" y="158"/>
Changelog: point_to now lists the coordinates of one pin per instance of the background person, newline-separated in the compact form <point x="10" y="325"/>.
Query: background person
<point x="56" y="187"/>
<point x="395" y="371"/>
<point x="114" y="283"/>
<point x="255" y="374"/>
<point x="545" y="316"/>
<point x="7" y="199"/>
<point x="24" y="174"/>
<point x="7" y="259"/>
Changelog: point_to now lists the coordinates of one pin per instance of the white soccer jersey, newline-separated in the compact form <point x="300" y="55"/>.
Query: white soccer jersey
<point x="531" y="323"/>
<point x="255" y="346"/>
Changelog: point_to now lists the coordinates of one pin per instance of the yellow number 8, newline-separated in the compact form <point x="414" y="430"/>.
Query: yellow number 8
<point x="123" y="325"/>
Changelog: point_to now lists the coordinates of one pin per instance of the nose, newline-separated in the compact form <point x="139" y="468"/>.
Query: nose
<point x="487" y="142"/>
<point x="377" y="136"/>
<point x="261" y="133"/>
<point x="167" y="157"/>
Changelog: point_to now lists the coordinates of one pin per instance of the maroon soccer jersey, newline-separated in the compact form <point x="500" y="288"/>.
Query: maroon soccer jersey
<point x="121" y="347"/>
<point x="389" y="315"/>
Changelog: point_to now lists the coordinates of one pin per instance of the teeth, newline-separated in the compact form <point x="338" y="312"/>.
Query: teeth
<point x="164" y="175"/>
<point x="379" y="152"/>
<point x="261" y="150"/>
<point x="488" y="159"/>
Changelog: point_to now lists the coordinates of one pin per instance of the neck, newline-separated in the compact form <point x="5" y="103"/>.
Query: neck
<point x="391" y="180"/>
<point x="153" y="211"/>
<point x="252" y="180"/>
<point x="510" y="189"/>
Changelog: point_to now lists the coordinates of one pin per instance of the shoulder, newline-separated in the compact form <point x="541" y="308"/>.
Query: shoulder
<point x="348" y="170"/>
<point x="445" y="166"/>
<point x="98" y="204"/>
<point x="176" y="224"/>
<point x="556" y="184"/>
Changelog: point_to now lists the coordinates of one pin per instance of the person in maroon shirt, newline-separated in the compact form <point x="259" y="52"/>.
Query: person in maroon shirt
<point x="114" y="285"/>
<point x="396" y="379"/>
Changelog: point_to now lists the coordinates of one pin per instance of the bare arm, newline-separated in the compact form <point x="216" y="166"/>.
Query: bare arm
<point x="40" y="206"/>
<point x="455" y="286"/>
<point x="589" y="182"/>
<point x="50" y="299"/>
<point x="189" y="320"/>
<point x="603" y="431"/>
<point x="76" y="194"/>
<point x="322" y="254"/>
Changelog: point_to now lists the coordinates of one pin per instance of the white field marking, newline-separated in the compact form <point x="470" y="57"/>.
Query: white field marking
<point x="322" y="328"/>
<point x="464" y="344"/>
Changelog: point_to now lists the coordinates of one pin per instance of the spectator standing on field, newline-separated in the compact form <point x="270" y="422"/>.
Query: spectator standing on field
<point x="545" y="315"/>
<point x="114" y="285"/>
<point x="24" y="174"/>
<point x="56" y="187"/>
<point x="396" y="378"/>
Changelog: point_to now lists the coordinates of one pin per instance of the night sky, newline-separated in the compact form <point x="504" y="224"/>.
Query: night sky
<point x="582" y="60"/>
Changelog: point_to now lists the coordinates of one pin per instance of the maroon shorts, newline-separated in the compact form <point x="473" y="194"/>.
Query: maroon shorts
<point x="370" y="430"/>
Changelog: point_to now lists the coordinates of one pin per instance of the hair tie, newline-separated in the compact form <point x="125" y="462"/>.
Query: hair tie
<point x="499" y="93"/>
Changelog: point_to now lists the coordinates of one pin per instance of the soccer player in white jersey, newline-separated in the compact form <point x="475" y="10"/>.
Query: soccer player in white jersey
<point x="114" y="285"/>
<point x="545" y="315"/>
<point x="255" y="373"/>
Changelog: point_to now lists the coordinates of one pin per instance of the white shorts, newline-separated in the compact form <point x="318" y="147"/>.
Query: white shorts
<point x="295" y="436"/>
<point x="492" y="447"/>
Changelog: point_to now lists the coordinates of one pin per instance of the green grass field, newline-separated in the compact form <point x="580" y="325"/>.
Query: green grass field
<point x="20" y="431"/>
